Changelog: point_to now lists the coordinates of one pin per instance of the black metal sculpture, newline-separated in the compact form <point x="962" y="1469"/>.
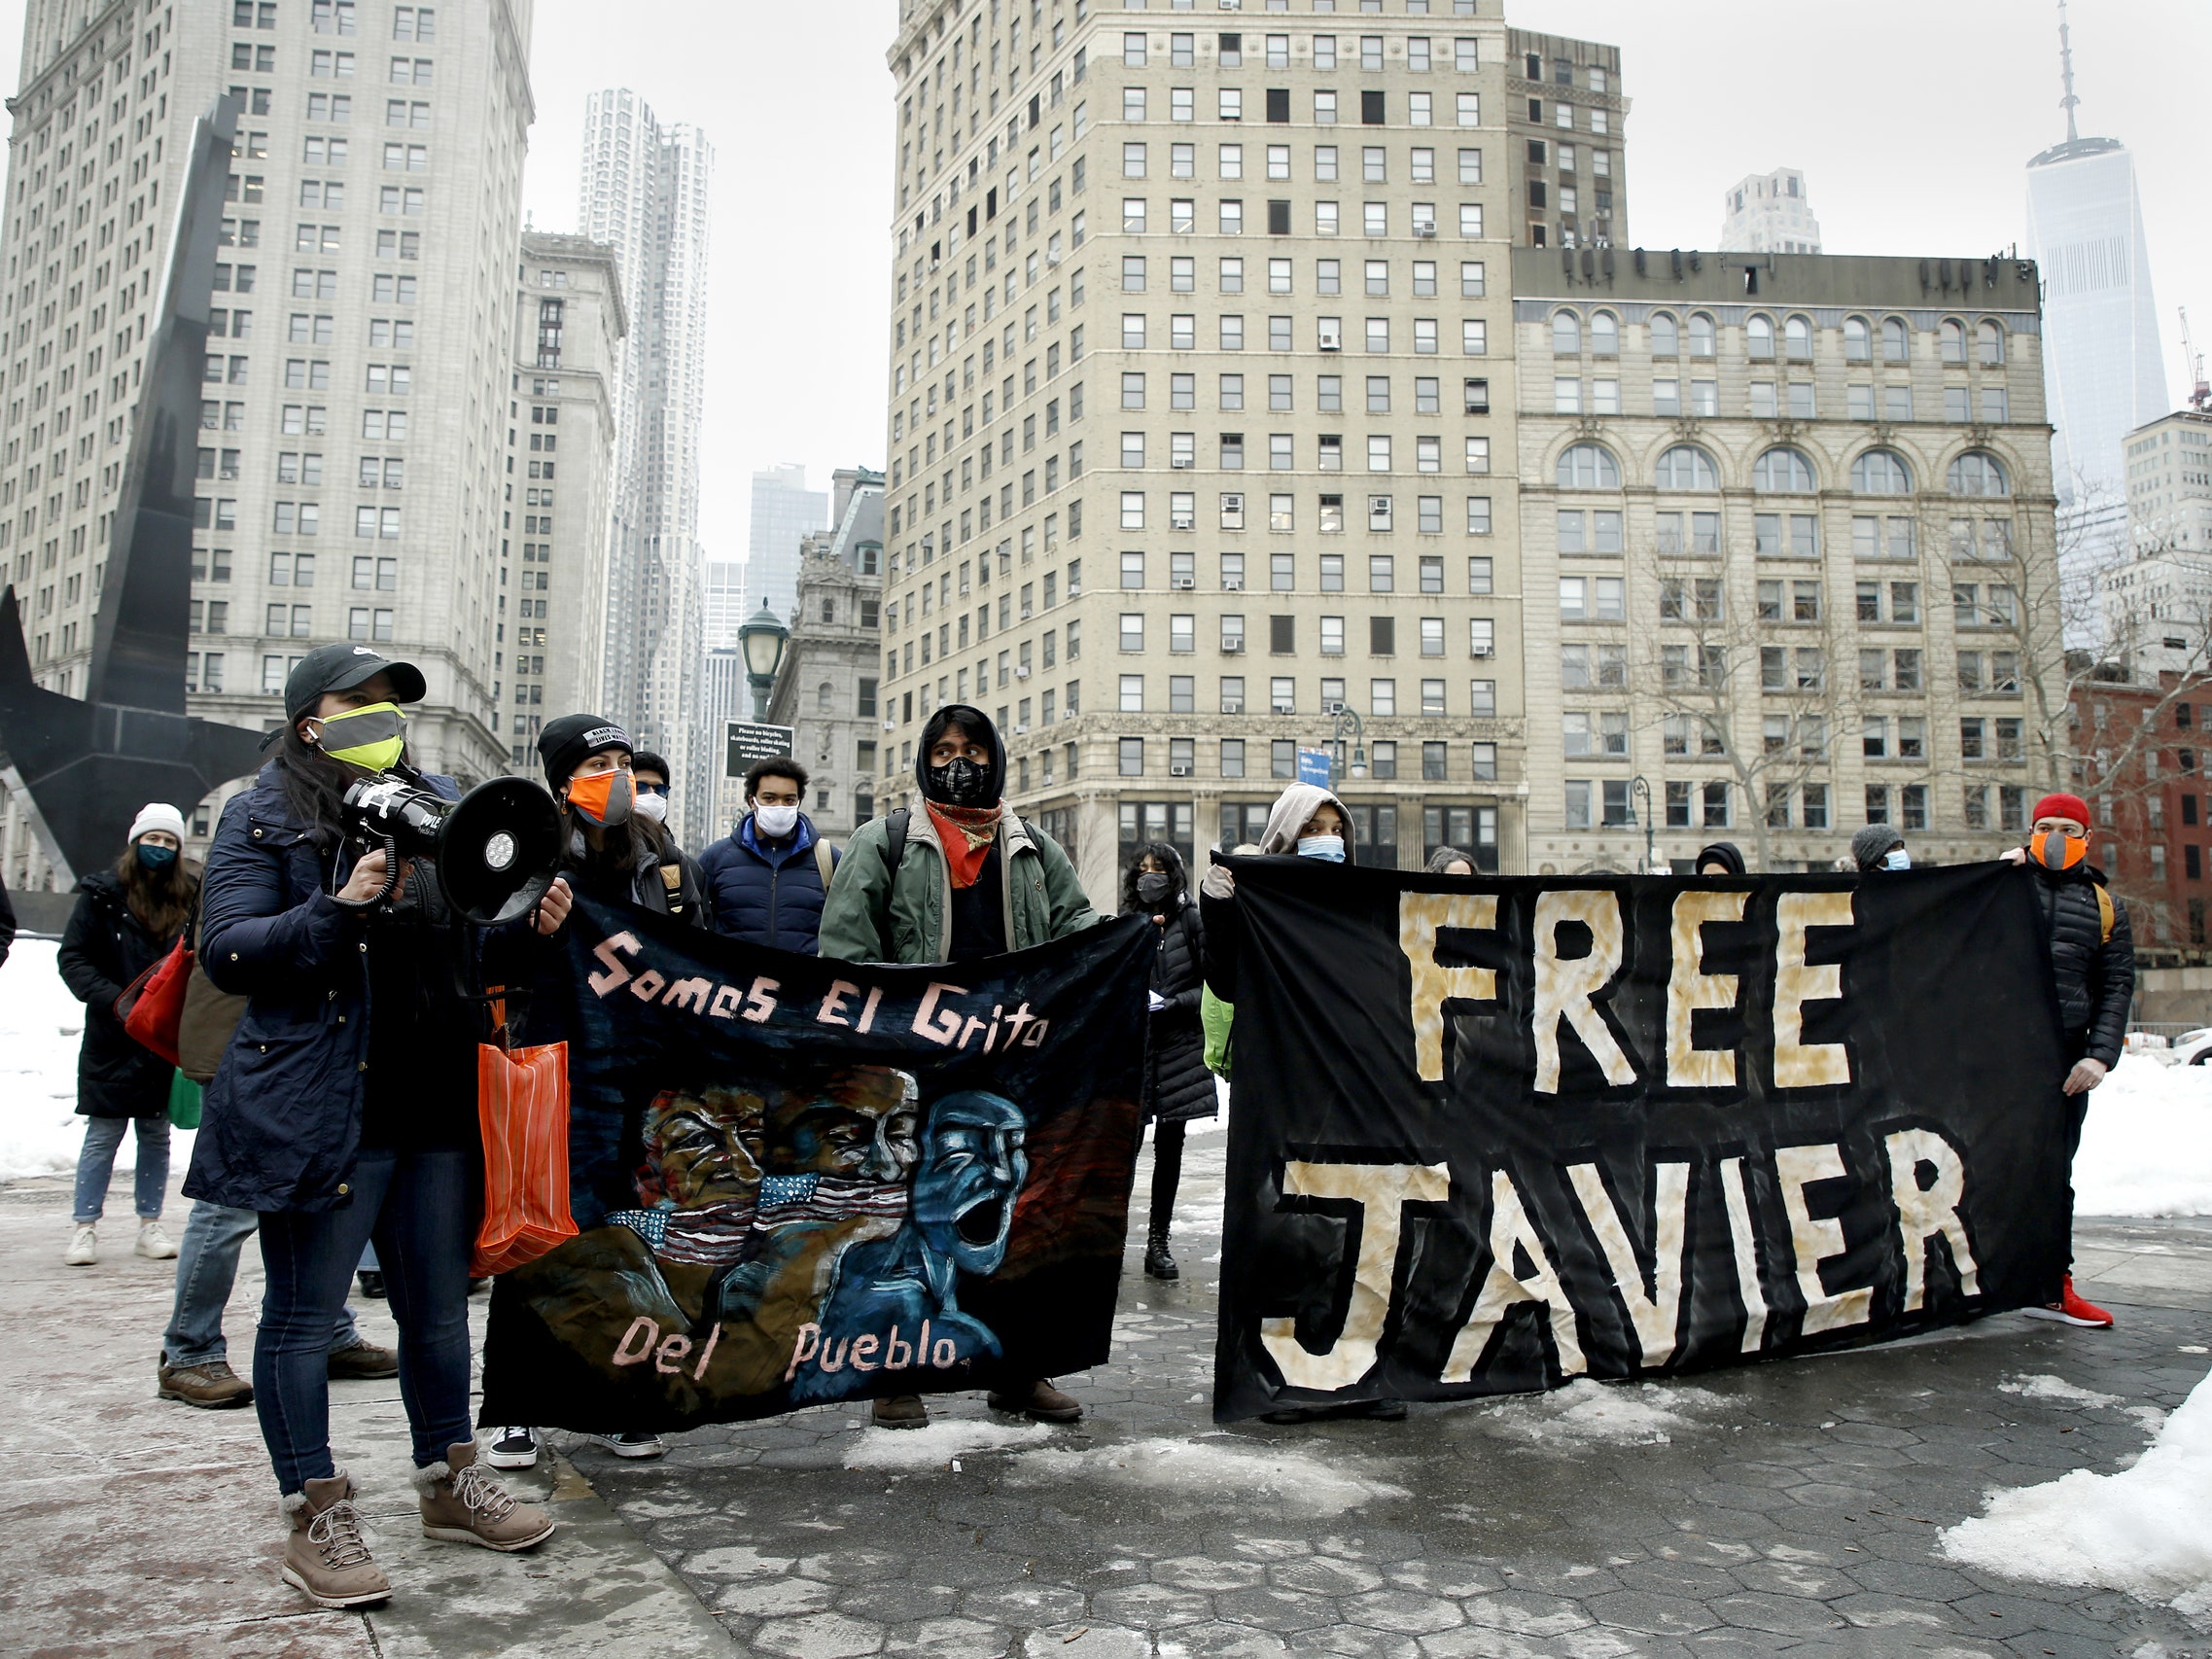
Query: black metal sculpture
<point x="79" y="769"/>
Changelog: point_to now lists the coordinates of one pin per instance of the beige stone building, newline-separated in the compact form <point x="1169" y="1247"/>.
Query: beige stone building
<point x="354" y="427"/>
<point x="1788" y="539"/>
<point x="1200" y="414"/>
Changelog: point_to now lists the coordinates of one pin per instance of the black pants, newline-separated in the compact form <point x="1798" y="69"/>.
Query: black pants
<point x="1167" y="1172"/>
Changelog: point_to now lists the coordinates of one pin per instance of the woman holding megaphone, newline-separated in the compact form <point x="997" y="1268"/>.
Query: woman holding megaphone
<point x="346" y="1111"/>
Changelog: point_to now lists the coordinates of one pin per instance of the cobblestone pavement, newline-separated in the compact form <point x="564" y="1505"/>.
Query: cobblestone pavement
<point x="1790" y="1506"/>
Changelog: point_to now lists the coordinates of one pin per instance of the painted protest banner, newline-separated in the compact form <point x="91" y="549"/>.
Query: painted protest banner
<point x="1488" y="1136"/>
<point x="799" y="1180"/>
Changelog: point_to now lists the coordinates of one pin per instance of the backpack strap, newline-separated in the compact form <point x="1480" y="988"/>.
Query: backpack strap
<point x="2105" y="917"/>
<point x="894" y="837"/>
<point x="822" y="862"/>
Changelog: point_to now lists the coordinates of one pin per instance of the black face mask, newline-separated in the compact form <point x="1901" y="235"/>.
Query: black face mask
<point x="1154" y="889"/>
<point x="959" y="783"/>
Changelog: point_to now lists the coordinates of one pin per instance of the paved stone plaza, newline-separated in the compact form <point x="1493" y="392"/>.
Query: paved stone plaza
<point x="1781" y="1507"/>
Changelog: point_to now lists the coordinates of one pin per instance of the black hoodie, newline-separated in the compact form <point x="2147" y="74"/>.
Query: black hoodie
<point x="978" y="909"/>
<point x="1726" y="853"/>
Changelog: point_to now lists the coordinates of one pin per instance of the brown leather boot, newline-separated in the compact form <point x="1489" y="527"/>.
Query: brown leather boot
<point x="363" y="1361"/>
<point x="901" y="1411"/>
<point x="210" y="1384"/>
<point x="324" y="1555"/>
<point x="462" y="1504"/>
<point x="1041" y="1400"/>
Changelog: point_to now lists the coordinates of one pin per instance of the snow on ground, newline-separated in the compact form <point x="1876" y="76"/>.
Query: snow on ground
<point x="2146" y="1145"/>
<point x="2057" y="1390"/>
<point x="1279" y="1482"/>
<point x="1588" y="1413"/>
<point x="939" y="1442"/>
<point x="2142" y="1530"/>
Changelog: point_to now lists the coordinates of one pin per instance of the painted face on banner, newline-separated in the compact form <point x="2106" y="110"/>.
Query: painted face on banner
<point x="972" y="1169"/>
<point x="860" y="1125"/>
<point x="703" y="1150"/>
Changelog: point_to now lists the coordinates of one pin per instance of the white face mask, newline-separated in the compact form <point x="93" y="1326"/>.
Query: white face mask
<point x="1897" y="859"/>
<point x="775" y="821"/>
<point x="1329" y="847"/>
<point x="650" y="806"/>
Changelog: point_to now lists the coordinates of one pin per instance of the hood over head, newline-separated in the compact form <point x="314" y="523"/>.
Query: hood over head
<point x="1292" y="807"/>
<point x="978" y="725"/>
<point x="1724" y="853"/>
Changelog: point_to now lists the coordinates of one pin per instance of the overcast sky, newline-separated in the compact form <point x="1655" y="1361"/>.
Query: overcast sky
<point x="1910" y="119"/>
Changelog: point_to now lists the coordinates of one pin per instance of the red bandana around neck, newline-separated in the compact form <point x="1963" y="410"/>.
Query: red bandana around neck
<point x="969" y="834"/>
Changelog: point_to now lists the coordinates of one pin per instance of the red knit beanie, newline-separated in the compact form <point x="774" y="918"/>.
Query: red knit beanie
<point x="2063" y="806"/>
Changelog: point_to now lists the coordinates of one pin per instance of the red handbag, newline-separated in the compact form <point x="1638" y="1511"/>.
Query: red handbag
<point x="152" y="1007"/>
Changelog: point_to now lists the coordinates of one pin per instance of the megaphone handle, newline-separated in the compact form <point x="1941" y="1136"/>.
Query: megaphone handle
<point x="391" y="879"/>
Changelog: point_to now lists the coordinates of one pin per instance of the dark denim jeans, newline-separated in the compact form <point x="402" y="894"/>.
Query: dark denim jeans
<point x="95" y="1163"/>
<point x="419" y="1208"/>
<point x="207" y="1269"/>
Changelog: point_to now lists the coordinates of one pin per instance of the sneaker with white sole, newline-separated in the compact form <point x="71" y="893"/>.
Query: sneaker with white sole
<point x="632" y="1443"/>
<point x="84" y="1246"/>
<point x="154" y="1244"/>
<point x="513" y="1448"/>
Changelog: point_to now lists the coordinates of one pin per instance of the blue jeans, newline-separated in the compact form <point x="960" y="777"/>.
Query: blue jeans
<point x="207" y="1267"/>
<point x="96" y="1162"/>
<point x="419" y="1208"/>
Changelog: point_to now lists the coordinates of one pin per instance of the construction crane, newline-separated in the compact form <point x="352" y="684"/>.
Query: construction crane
<point x="2199" y="389"/>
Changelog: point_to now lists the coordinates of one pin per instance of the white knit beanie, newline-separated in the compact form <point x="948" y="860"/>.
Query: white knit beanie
<point x="157" y="815"/>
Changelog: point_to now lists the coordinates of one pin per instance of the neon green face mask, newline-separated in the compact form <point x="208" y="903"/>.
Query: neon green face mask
<point x="371" y="738"/>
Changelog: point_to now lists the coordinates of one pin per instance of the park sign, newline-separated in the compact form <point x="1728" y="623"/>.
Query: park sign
<point x="1495" y="1135"/>
<point x="746" y="741"/>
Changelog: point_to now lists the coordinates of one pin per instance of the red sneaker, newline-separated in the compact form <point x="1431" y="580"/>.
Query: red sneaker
<point x="2070" y="1309"/>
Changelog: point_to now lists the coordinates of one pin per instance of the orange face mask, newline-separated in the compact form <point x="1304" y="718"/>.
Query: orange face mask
<point x="2055" y="849"/>
<point x="604" y="797"/>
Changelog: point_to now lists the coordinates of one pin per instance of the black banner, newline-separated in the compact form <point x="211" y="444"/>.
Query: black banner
<point x="800" y="1180"/>
<point x="1487" y="1135"/>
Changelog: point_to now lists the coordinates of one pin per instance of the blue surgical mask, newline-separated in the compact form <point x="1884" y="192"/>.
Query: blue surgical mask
<point x="1897" y="859"/>
<point x="1329" y="848"/>
<point x="155" y="858"/>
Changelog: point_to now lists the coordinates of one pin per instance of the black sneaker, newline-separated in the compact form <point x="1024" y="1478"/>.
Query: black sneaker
<point x="372" y="1283"/>
<point x="632" y="1443"/>
<point x="515" y="1448"/>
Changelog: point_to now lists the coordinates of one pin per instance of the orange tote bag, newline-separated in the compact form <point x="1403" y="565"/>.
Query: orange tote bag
<point x="522" y="1098"/>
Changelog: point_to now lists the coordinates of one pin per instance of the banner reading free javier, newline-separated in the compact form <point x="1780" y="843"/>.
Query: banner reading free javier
<point x="1492" y="1135"/>
<point x="799" y="1180"/>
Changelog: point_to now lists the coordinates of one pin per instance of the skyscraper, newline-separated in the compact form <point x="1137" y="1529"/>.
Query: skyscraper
<point x="785" y="513"/>
<point x="353" y="431"/>
<point x="2102" y="367"/>
<point x="1769" y="213"/>
<point x="725" y="608"/>
<point x="643" y="190"/>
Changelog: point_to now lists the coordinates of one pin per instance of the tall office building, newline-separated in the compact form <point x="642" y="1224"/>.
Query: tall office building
<point x="1565" y="121"/>
<point x="644" y="192"/>
<point x="1769" y="213"/>
<point x="724" y="612"/>
<point x="568" y="332"/>
<point x="785" y="513"/>
<point x="2157" y="604"/>
<point x="2106" y="376"/>
<point x="353" y="433"/>
<point x="1191" y="429"/>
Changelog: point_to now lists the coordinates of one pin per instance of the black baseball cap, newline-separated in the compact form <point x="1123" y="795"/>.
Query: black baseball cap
<point x="340" y="668"/>
<point x="568" y="742"/>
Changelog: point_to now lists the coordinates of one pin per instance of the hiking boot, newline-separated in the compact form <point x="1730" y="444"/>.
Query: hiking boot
<point x="1158" y="1263"/>
<point x="632" y="1443"/>
<point x="154" y="1244"/>
<point x="513" y="1448"/>
<point x="211" y="1385"/>
<point x="464" y="1505"/>
<point x="1041" y="1400"/>
<point x="323" y="1556"/>
<point x="2070" y="1309"/>
<point x="364" y="1361"/>
<point x="84" y="1246"/>
<point x="901" y="1411"/>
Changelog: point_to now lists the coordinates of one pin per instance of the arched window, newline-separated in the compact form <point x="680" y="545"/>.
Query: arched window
<point x="1606" y="334"/>
<point x="822" y="697"/>
<point x="1567" y="334"/>
<point x="1879" y="471"/>
<point x="1589" y="466"/>
<point x="1896" y="344"/>
<point x="1976" y="474"/>
<point x="1665" y="334"/>
<point x="1686" y="467"/>
<point x="1782" y="472"/>
<point x="1951" y="336"/>
<point x="1858" y="340"/>
<point x="1700" y="335"/>
<point x="1990" y="335"/>
<point x="1797" y="339"/>
<point x="1759" y="334"/>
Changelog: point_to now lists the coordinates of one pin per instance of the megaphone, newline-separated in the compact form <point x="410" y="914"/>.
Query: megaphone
<point x="496" y="849"/>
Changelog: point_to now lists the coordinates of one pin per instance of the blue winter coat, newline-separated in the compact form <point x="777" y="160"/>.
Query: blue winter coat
<point x="281" y="1122"/>
<point x="766" y="894"/>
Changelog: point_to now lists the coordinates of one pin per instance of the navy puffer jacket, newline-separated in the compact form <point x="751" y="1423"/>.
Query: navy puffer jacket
<point x="765" y="894"/>
<point x="2096" y="975"/>
<point x="281" y="1122"/>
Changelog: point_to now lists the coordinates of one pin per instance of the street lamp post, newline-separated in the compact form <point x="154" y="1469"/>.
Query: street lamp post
<point x="1343" y="715"/>
<point x="761" y="641"/>
<point x="1640" y="795"/>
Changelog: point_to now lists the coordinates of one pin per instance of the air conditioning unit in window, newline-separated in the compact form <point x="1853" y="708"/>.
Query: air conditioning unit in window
<point x="1183" y="462"/>
<point x="1332" y="340"/>
<point x="1184" y="582"/>
<point x="1232" y="584"/>
<point x="1481" y="651"/>
<point x="1285" y="709"/>
<point x="1021" y="730"/>
<point x="1184" y="521"/>
<point x="1021" y="673"/>
<point x="1232" y="648"/>
<point x="1178" y="771"/>
<point x="1332" y="710"/>
<point x="1052" y="255"/>
<point x="890" y="724"/>
<point x="1425" y="231"/>
<point x="1232" y="5"/>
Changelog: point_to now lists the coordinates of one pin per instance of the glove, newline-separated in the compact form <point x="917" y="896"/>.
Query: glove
<point x="1218" y="883"/>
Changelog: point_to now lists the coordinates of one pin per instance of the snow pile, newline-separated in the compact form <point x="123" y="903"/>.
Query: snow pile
<point x="41" y="1027"/>
<point x="1278" y="1482"/>
<point x="2147" y="1145"/>
<point x="2142" y="1530"/>
<point x="2056" y="1389"/>
<point x="938" y="1442"/>
<point x="1588" y="1413"/>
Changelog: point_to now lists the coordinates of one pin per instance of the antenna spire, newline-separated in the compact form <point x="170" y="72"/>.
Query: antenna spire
<point x="2066" y="72"/>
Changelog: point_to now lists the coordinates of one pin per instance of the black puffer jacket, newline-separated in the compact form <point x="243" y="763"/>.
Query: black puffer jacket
<point x="104" y="948"/>
<point x="1178" y="1086"/>
<point x="2095" y="975"/>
